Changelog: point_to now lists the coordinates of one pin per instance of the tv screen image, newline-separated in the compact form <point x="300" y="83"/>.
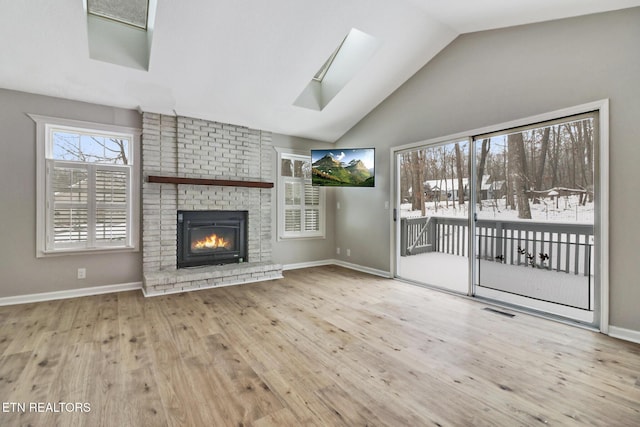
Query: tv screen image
<point x="354" y="167"/>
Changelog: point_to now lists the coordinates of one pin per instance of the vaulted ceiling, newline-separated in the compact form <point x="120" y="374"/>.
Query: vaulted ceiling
<point x="246" y="62"/>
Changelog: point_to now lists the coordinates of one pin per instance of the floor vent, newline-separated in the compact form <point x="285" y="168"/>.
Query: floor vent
<point x="504" y="313"/>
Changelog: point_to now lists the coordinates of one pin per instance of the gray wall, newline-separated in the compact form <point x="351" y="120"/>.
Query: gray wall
<point x="20" y="271"/>
<point x="293" y="251"/>
<point x="492" y="77"/>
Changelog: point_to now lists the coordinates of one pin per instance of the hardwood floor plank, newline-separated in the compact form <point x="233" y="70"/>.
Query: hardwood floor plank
<point x="85" y="320"/>
<point x="211" y="387"/>
<point x="349" y="410"/>
<point x="242" y="381"/>
<point x="73" y="382"/>
<point x="132" y="333"/>
<point x="141" y="404"/>
<point x="11" y="368"/>
<point x="297" y="390"/>
<point x="174" y="387"/>
<point x="283" y="417"/>
<point x="171" y="377"/>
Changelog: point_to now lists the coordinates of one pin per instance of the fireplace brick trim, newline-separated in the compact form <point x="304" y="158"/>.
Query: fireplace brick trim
<point x="186" y="279"/>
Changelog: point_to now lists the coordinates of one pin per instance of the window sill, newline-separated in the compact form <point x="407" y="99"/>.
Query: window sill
<point x="77" y="251"/>
<point x="287" y="238"/>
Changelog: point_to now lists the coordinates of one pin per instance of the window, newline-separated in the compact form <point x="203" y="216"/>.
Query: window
<point x="132" y="12"/>
<point x="301" y="210"/>
<point x="86" y="176"/>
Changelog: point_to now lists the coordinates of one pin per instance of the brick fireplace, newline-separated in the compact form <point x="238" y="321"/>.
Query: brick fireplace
<point x="208" y="153"/>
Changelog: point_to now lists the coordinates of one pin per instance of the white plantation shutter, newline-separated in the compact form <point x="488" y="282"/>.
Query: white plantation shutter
<point x="88" y="205"/>
<point x="301" y="212"/>
<point x="111" y="205"/>
<point x="311" y="208"/>
<point x="311" y="220"/>
<point x="292" y="220"/>
<point x="311" y="195"/>
<point x="292" y="192"/>
<point x="87" y="187"/>
<point x="68" y="204"/>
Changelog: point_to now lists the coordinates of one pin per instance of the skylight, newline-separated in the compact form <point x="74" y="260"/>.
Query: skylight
<point x="344" y="63"/>
<point x="325" y="67"/>
<point x="130" y="12"/>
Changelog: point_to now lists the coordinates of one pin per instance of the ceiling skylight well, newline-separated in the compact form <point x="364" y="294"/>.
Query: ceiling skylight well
<point x="347" y="60"/>
<point x="327" y="64"/>
<point x="130" y="12"/>
<point x="121" y="31"/>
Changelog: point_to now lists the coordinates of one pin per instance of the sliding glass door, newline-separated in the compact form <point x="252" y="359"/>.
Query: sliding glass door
<point x="534" y="216"/>
<point x="434" y="214"/>
<point x="521" y="204"/>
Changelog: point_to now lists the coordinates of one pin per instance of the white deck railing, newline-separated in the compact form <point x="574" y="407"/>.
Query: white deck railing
<point x="553" y="246"/>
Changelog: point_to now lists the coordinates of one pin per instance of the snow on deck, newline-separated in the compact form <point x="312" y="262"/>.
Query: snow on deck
<point x="451" y="272"/>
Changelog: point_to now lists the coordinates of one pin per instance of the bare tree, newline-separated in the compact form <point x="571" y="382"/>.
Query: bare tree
<point x="444" y="175"/>
<point x="518" y="173"/>
<point x="486" y="145"/>
<point x="417" y="172"/>
<point x="544" y="147"/>
<point x="405" y="176"/>
<point x="459" y="174"/>
<point x="103" y="150"/>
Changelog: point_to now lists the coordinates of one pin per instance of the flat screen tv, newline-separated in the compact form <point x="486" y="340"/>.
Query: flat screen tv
<point x="353" y="167"/>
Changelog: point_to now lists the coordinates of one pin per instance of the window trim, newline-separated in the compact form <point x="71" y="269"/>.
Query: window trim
<point x="280" y="194"/>
<point x="43" y="126"/>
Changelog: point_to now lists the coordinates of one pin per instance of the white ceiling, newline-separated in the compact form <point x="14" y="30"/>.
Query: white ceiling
<point x="246" y="62"/>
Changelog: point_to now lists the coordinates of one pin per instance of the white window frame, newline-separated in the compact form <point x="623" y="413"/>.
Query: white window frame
<point x="281" y="180"/>
<point x="44" y="200"/>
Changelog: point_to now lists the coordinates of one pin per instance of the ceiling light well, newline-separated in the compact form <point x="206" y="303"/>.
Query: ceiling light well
<point x="130" y="12"/>
<point x="119" y="33"/>
<point x="347" y="60"/>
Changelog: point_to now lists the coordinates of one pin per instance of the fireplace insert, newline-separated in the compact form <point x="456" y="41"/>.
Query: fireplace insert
<point x="211" y="238"/>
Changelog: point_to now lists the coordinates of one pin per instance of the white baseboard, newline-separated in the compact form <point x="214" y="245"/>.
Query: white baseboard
<point x="71" y="293"/>
<point x="299" y="265"/>
<point x="374" y="271"/>
<point x="340" y="263"/>
<point x="624" y="334"/>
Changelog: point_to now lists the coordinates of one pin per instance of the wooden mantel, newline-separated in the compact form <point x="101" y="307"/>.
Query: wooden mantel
<point x="202" y="181"/>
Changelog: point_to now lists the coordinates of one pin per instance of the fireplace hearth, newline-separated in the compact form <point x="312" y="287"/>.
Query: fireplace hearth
<point x="211" y="238"/>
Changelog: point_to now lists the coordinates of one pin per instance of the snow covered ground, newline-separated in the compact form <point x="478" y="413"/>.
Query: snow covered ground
<point x="567" y="210"/>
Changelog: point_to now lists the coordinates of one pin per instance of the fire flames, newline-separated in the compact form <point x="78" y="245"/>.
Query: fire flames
<point x="211" y="242"/>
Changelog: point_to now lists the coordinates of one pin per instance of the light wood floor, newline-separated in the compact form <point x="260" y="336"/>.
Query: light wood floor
<point x="325" y="346"/>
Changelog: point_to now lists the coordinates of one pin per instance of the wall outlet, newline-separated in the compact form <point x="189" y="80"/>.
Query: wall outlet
<point x="338" y="205"/>
<point x="82" y="273"/>
<point x="386" y="204"/>
<point x="348" y="252"/>
<point x="338" y="251"/>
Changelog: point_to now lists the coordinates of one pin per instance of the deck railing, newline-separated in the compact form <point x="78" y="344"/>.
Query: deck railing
<point x="553" y="246"/>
